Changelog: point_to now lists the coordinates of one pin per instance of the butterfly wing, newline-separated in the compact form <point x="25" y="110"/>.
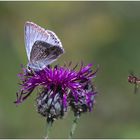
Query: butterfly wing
<point x="33" y="33"/>
<point x="43" y="54"/>
<point x="53" y="39"/>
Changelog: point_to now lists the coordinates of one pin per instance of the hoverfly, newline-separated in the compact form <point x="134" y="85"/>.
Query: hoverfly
<point x="132" y="79"/>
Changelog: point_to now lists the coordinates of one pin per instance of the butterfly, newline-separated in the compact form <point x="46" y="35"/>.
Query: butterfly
<point x="42" y="46"/>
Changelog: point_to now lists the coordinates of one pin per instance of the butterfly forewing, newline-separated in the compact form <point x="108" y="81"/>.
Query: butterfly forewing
<point x="33" y="33"/>
<point x="53" y="39"/>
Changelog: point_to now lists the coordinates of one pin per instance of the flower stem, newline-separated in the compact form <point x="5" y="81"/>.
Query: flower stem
<point x="73" y="128"/>
<point x="48" y="129"/>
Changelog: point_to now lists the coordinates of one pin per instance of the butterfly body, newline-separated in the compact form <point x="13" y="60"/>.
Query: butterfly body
<point x="42" y="46"/>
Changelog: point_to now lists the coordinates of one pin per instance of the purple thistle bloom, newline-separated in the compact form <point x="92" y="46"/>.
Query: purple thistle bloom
<point x="61" y="87"/>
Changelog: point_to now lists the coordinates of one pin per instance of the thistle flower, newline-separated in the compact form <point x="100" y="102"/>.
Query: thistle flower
<point x="61" y="87"/>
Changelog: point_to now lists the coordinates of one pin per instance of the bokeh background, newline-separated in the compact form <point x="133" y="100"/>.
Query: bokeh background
<point x="104" y="33"/>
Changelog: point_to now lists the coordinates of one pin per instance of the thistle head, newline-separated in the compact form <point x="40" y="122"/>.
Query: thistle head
<point x="61" y="87"/>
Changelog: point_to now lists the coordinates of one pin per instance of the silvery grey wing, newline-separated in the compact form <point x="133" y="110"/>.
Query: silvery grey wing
<point x="43" y="54"/>
<point x="42" y="46"/>
<point x="54" y="40"/>
<point x="33" y="32"/>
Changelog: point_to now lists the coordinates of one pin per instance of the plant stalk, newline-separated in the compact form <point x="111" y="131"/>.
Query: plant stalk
<point x="48" y="129"/>
<point x="73" y="128"/>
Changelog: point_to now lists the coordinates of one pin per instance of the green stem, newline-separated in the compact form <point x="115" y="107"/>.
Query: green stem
<point x="48" y="129"/>
<point x="73" y="128"/>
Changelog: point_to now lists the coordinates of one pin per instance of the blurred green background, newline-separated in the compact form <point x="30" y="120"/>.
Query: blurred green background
<point x="104" y="33"/>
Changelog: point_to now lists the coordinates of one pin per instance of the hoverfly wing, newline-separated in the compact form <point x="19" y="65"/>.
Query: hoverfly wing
<point x="136" y="88"/>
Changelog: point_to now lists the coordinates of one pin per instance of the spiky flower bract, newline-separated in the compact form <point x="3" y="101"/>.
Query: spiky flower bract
<point x="61" y="87"/>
